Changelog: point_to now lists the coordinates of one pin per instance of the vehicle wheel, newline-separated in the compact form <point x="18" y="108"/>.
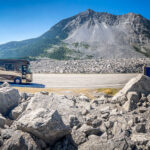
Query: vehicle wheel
<point x="17" y="81"/>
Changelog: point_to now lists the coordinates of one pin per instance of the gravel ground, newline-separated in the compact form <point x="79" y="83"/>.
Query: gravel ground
<point x="90" y="66"/>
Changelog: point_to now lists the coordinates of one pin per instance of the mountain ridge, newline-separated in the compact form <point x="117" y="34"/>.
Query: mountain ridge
<point x="88" y="34"/>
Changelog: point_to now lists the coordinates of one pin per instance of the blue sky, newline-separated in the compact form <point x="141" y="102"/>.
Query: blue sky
<point x="24" y="19"/>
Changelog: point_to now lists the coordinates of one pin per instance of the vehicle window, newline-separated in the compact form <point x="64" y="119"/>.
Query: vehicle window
<point x="2" y="67"/>
<point x="29" y="69"/>
<point x="19" y="68"/>
<point x="24" y="68"/>
<point x="9" y="67"/>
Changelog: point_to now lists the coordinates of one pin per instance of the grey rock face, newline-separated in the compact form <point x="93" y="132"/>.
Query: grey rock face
<point x="20" y="141"/>
<point x="45" y="124"/>
<point x="65" y="144"/>
<point x="141" y="128"/>
<point x="47" y="117"/>
<point x="9" y="98"/>
<point x="1" y="141"/>
<point x="60" y="103"/>
<point x="103" y="27"/>
<point x="5" y="84"/>
<point x="139" y="84"/>
<point x="98" y="144"/>
<point x="2" y="121"/>
<point x="7" y="133"/>
<point x="18" y="110"/>
<point x="78" y="137"/>
<point x="24" y="95"/>
<point x="88" y="130"/>
<point x="140" y="139"/>
<point x="133" y="99"/>
<point x="73" y="121"/>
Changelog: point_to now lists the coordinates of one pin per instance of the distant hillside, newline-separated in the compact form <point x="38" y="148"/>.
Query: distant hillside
<point x="89" y="34"/>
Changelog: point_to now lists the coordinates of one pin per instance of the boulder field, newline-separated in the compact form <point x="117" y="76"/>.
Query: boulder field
<point x="119" y="65"/>
<point x="48" y="121"/>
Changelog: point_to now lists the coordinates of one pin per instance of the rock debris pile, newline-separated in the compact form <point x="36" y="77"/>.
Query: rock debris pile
<point x="131" y="65"/>
<point x="48" y="121"/>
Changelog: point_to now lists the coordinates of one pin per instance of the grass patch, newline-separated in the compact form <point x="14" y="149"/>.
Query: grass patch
<point x="60" y="53"/>
<point x="87" y="92"/>
<point x="109" y="91"/>
<point x="138" y="49"/>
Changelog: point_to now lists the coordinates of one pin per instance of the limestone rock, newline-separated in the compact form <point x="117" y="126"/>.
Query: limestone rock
<point x="73" y="121"/>
<point x="2" y="121"/>
<point x="96" y="123"/>
<point x="24" y="95"/>
<point x="65" y="143"/>
<point x="88" y="130"/>
<point x="84" y="98"/>
<point x="9" y="98"/>
<point x="5" y="84"/>
<point x="43" y="123"/>
<point x="60" y="103"/>
<point x="139" y="84"/>
<point x="105" y="110"/>
<point x="18" y="110"/>
<point x="133" y="99"/>
<point x="140" y="138"/>
<point x="7" y="133"/>
<point x="78" y="137"/>
<point x="141" y="128"/>
<point x="98" y="144"/>
<point x="1" y="141"/>
<point x="20" y="141"/>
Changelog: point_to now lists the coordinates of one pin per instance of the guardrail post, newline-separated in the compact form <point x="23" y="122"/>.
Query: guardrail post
<point x="144" y="69"/>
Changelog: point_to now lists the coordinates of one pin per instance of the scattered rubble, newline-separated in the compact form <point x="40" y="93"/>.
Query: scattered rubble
<point x="132" y="65"/>
<point x="47" y="121"/>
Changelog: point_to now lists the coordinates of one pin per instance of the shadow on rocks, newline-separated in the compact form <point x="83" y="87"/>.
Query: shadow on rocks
<point x="65" y="143"/>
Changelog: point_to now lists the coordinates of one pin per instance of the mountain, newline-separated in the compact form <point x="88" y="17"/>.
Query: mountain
<point x="88" y="34"/>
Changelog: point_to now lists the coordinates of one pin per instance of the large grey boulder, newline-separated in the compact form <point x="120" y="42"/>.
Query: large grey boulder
<point x="47" y="117"/>
<point x="9" y="98"/>
<point x="20" y="141"/>
<point x="139" y="84"/>
<point x="61" y="103"/>
<point x="96" y="143"/>
<point x="45" y="124"/>
<point x="133" y="99"/>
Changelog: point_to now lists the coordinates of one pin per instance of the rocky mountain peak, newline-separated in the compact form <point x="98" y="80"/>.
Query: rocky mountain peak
<point x="131" y="14"/>
<point x="89" y="34"/>
<point x="90" y="11"/>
